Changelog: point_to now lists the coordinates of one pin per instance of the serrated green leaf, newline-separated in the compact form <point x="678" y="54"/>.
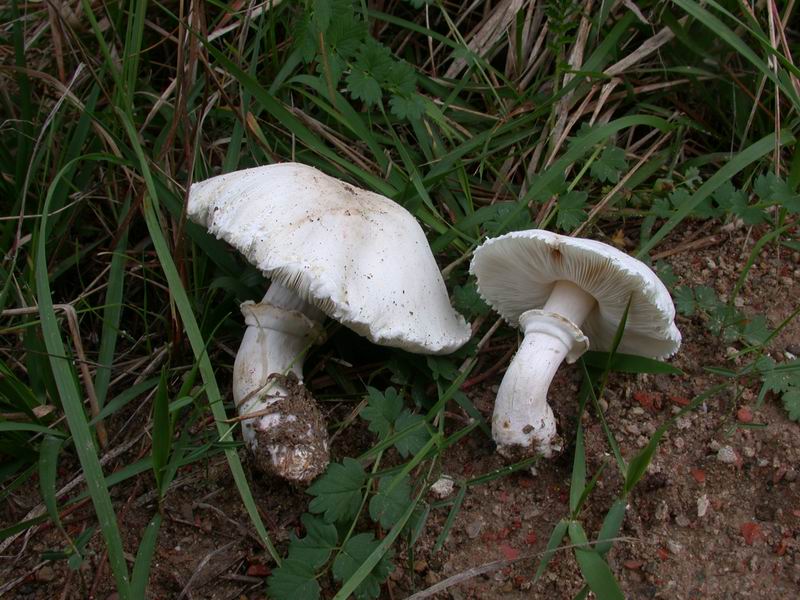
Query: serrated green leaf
<point x="791" y="402"/>
<point x="751" y="215"/>
<point x="338" y="491"/>
<point x="376" y="59"/>
<point x="293" y="580"/>
<point x="570" y="210"/>
<point x="321" y="14"/>
<point x="756" y="330"/>
<point x="402" y="79"/>
<point x="666" y="274"/>
<point x="609" y="165"/>
<point x="391" y="500"/>
<point x="353" y="554"/>
<point x="362" y="86"/>
<point x="706" y="298"/>
<point x="782" y="380"/>
<point x="442" y="367"/>
<point x="467" y="300"/>
<point x="662" y="208"/>
<point x="315" y="548"/>
<point x="407" y="107"/>
<point x="382" y="410"/>
<point x="413" y="441"/>
<point x="684" y="300"/>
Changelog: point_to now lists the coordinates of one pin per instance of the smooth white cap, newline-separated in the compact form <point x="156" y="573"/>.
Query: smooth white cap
<point x="356" y="255"/>
<point x="516" y="272"/>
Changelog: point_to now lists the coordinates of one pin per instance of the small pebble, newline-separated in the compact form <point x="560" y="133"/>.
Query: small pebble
<point x="474" y="529"/>
<point x="679" y="443"/>
<point x="674" y="547"/>
<point x="682" y="520"/>
<point x="726" y="455"/>
<point x="790" y="475"/>
<point x="702" y="505"/>
<point x="749" y="452"/>
<point x="443" y="487"/>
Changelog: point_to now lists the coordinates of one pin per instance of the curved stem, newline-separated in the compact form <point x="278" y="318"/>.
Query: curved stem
<point x="280" y="329"/>
<point x="523" y="422"/>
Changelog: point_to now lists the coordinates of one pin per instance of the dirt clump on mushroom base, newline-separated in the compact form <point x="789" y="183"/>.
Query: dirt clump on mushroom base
<point x="301" y="428"/>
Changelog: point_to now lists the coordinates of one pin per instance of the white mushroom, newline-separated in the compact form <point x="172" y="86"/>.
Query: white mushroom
<point x="329" y="249"/>
<point x="564" y="292"/>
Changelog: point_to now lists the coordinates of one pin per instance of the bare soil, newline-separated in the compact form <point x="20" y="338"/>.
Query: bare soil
<point x="717" y="515"/>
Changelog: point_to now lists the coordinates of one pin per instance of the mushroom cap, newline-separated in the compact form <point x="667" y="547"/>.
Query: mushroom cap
<point x="517" y="271"/>
<point x="356" y="255"/>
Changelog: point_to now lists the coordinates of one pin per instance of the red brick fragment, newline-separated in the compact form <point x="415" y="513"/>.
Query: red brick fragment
<point x="663" y="553"/>
<point x="633" y="565"/>
<point x="750" y="532"/>
<point x="699" y="475"/>
<point x="679" y="400"/>
<point x="647" y="400"/>
<point x="744" y="415"/>
<point x="509" y="552"/>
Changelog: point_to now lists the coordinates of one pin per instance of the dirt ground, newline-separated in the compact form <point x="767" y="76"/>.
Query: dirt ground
<point x="717" y="515"/>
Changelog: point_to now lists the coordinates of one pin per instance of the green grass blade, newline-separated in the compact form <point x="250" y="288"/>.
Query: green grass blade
<point x="611" y="525"/>
<point x="72" y="403"/>
<point x="555" y="539"/>
<point x="184" y="306"/>
<point x="144" y="558"/>
<point x="162" y="431"/>
<point x="578" y="481"/>
<point x="594" y="569"/>
<point x="112" y="313"/>
<point x="48" y="469"/>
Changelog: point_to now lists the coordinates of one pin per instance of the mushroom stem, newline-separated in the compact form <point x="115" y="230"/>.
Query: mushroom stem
<point x="523" y="422"/>
<point x="286" y="433"/>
